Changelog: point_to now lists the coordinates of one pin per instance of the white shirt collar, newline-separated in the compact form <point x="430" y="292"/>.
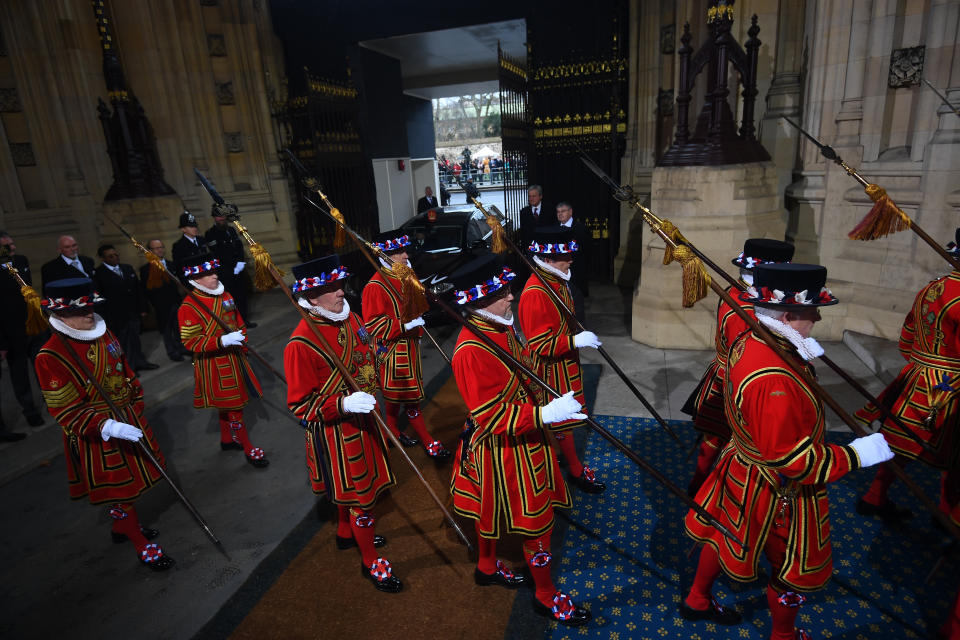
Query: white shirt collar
<point x="808" y="348"/>
<point x="325" y="313"/>
<point x="492" y="317"/>
<point x="552" y="270"/>
<point x="568" y="223"/>
<point x="87" y="335"/>
<point x="212" y="292"/>
<point x="193" y="240"/>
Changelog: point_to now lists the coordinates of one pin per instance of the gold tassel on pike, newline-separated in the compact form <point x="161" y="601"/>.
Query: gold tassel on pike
<point x="884" y="217"/>
<point x="263" y="263"/>
<point x="340" y="235"/>
<point x="36" y="323"/>
<point x="157" y="274"/>
<point x="696" y="280"/>
<point x="497" y="242"/>
<point x="414" y="297"/>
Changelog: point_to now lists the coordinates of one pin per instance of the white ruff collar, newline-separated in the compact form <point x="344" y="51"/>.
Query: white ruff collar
<point x="389" y="265"/>
<point x="807" y="347"/>
<point x="212" y="292"/>
<point x="543" y="265"/>
<point x="746" y="276"/>
<point x="492" y="317"/>
<point x="87" y="335"/>
<point x="325" y="313"/>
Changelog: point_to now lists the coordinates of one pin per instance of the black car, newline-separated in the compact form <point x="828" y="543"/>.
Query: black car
<point x="442" y="239"/>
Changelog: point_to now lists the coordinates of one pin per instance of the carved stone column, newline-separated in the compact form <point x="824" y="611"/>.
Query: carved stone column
<point x="716" y="208"/>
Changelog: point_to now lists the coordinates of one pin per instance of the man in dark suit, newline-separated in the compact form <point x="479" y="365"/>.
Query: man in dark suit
<point x="123" y="305"/>
<point x="191" y="244"/>
<point x="536" y="214"/>
<point x="470" y="190"/>
<point x="225" y="244"/>
<point x="164" y="296"/>
<point x="69" y="264"/>
<point x="579" y="272"/>
<point x="427" y="201"/>
<point x="444" y="196"/>
<point x="13" y="336"/>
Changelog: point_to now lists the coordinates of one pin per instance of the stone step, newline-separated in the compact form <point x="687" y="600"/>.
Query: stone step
<point x="879" y="355"/>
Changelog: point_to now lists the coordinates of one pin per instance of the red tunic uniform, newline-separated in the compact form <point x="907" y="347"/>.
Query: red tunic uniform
<point x="708" y="415"/>
<point x="930" y="341"/>
<point x="349" y="456"/>
<point x="549" y="337"/>
<point x="106" y="472"/>
<point x="511" y="474"/>
<point x="219" y="373"/>
<point x="397" y="351"/>
<point x="769" y="485"/>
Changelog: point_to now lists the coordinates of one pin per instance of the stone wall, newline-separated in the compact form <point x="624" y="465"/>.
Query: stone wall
<point x="824" y="63"/>
<point x="202" y="72"/>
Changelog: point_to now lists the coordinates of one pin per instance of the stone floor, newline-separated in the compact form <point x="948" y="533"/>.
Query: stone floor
<point x="57" y="554"/>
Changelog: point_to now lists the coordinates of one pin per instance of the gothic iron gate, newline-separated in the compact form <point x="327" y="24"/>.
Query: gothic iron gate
<point x="514" y="133"/>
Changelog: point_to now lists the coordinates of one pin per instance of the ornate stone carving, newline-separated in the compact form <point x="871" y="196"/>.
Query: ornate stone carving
<point x="668" y="36"/>
<point x="22" y="154"/>
<point x="234" y="141"/>
<point x="9" y="100"/>
<point x="216" y="45"/>
<point x="665" y="102"/>
<point x="906" y="67"/>
<point x="225" y="93"/>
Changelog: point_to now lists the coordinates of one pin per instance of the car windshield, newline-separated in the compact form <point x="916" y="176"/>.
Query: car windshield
<point x="436" y="238"/>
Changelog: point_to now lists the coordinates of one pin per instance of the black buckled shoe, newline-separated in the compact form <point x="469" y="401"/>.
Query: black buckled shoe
<point x="503" y="577"/>
<point x="587" y="482"/>
<point x="349" y="543"/>
<point x="563" y="611"/>
<point x="888" y="511"/>
<point x="154" y="557"/>
<point x="230" y="446"/>
<point x="257" y="458"/>
<point x="380" y="573"/>
<point x="119" y="538"/>
<point x="714" y="613"/>
<point x="438" y="452"/>
<point x="407" y="441"/>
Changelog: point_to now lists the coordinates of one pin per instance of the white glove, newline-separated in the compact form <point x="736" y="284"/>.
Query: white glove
<point x="234" y="339"/>
<point x="237" y="268"/>
<point x="358" y="402"/>
<point x="872" y="449"/>
<point x="563" y="408"/>
<point x="413" y="324"/>
<point x="586" y="339"/>
<point x="113" y="429"/>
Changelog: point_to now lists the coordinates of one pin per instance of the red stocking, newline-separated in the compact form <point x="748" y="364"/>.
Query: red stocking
<point x="125" y="521"/>
<point x="538" y="556"/>
<point x="416" y="421"/>
<point x="708" y="568"/>
<point x="569" y="450"/>
<point x="344" y="530"/>
<point x="877" y="494"/>
<point x="784" y="608"/>
<point x="486" y="552"/>
<point x="361" y="523"/>
<point x="238" y="432"/>
<point x="393" y="413"/>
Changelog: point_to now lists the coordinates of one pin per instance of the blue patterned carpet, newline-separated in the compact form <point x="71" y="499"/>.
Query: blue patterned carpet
<point x="625" y="556"/>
